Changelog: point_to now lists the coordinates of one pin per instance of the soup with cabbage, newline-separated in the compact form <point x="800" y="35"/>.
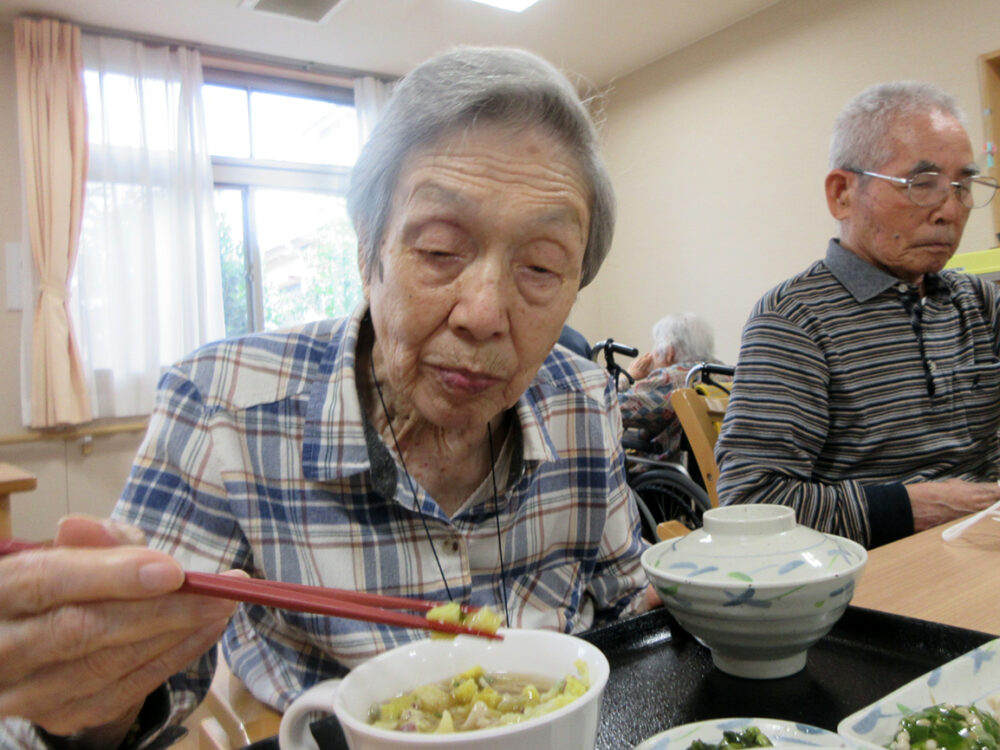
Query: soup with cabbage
<point x="476" y="699"/>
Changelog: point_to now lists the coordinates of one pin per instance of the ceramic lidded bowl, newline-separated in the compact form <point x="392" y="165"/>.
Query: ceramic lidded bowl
<point x="755" y="587"/>
<point x="539" y="653"/>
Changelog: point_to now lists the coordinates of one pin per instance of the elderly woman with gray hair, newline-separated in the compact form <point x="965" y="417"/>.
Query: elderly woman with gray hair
<point x="433" y="445"/>
<point x="680" y="342"/>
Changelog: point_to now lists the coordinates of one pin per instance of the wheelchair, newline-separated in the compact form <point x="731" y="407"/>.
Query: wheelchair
<point x="664" y="489"/>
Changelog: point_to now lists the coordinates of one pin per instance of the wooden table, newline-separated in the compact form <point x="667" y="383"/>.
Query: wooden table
<point x="956" y="583"/>
<point x="12" y="479"/>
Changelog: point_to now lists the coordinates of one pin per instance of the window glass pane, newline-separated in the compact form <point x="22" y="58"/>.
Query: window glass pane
<point x="110" y="209"/>
<point x="95" y="103"/>
<point x="123" y="112"/>
<point x="308" y="256"/>
<point x="292" y="128"/>
<point x="227" y="120"/>
<point x="232" y="251"/>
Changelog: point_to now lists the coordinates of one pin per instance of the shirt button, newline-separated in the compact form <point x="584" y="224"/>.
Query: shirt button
<point x="932" y="366"/>
<point x="451" y="546"/>
<point x="901" y="287"/>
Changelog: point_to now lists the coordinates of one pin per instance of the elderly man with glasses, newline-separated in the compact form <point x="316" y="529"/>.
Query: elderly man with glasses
<point x="867" y="392"/>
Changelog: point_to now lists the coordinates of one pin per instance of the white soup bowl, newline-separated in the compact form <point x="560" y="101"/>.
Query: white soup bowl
<point x="536" y="653"/>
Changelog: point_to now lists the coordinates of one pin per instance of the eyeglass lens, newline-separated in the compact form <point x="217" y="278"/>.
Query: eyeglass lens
<point x="931" y="189"/>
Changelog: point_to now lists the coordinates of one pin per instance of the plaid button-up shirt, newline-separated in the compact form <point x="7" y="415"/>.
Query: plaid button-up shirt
<point x="258" y="457"/>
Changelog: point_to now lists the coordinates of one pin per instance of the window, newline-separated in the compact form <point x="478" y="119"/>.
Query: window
<point x="281" y="154"/>
<point x="215" y="206"/>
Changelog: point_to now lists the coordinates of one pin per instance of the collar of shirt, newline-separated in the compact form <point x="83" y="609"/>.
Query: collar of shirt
<point x="335" y="443"/>
<point x="864" y="281"/>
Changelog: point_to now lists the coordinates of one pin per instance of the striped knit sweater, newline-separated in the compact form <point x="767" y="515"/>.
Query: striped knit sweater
<point x="834" y="407"/>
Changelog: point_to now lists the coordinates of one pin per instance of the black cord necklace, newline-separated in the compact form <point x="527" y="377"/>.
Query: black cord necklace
<point x="496" y="517"/>
<point x="416" y="499"/>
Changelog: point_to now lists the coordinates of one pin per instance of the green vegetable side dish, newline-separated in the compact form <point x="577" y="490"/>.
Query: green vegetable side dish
<point x="947" y="727"/>
<point x="749" y="737"/>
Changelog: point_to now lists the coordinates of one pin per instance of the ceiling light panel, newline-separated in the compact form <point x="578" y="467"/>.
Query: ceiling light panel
<point x="515" y="5"/>
<point x="316" y="11"/>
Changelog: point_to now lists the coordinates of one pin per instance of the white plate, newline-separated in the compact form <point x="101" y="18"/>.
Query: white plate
<point x="785" y="733"/>
<point x="972" y="678"/>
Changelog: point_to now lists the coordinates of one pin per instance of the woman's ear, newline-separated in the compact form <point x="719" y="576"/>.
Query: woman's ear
<point x="839" y="193"/>
<point x="365" y="285"/>
<point x="364" y="271"/>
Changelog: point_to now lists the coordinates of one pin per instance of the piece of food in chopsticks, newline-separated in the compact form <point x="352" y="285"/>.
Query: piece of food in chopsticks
<point x="476" y="699"/>
<point x="485" y="619"/>
<point x="947" y="726"/>
<point x="750" y="737"/>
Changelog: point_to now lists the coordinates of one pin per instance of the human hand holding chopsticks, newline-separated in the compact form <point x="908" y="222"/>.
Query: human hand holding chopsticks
<point x="90" y="626"/>
<point x="353" y="605"/>
<point x="84" y="629"/>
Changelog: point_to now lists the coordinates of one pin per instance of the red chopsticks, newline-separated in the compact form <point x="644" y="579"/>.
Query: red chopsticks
<point x="352" y="605"/>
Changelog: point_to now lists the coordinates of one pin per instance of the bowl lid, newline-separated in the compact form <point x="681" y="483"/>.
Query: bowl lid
<point x="759" y="544"/>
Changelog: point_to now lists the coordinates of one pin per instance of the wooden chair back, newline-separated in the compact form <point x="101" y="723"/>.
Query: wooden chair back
<point x="670" y="530"/>
<point x="700" y="410"/>
<point x="12" y="479"/>
<point x="230" y="717"/>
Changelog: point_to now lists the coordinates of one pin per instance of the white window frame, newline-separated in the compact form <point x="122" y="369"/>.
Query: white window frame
<point x="247" y="174"/>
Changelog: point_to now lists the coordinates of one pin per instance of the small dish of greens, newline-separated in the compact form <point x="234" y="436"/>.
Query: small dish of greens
<point x="742" y="733"/>
<point x="968" y="685"/>
<point x="947" y="727"/>
<point x="733" y="739"/>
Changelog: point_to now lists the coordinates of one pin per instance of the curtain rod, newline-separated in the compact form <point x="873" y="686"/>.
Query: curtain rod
<point x="238" y="55"/>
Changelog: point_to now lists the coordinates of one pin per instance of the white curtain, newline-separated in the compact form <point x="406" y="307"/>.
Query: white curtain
<point x="148" y="280"/>
<point x="370" y="97"/>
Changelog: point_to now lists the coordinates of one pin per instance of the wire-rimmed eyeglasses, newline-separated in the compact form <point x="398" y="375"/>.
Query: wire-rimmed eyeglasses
<point x="931" y="188"/>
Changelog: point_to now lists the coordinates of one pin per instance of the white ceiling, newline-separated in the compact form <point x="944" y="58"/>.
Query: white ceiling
<point x="599" y="39"/>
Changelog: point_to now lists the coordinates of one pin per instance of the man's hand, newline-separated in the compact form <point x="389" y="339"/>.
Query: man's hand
<point x="90" y="627"/>
<point x="935" y="503"/>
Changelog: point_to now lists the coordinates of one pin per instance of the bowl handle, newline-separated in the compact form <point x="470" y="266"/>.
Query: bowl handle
<point x="294" y="733"/>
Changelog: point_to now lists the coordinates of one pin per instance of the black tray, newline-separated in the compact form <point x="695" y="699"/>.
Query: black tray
<point x="661" y="677"/>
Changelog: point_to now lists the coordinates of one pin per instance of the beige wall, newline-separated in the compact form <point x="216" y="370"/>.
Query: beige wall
<point x="718" y="152"/>
<point x="10" y="229"/>
<point x="70" y="479"/>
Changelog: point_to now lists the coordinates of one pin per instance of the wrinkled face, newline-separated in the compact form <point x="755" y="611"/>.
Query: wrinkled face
<point x="883" y="226"/>
<point x="478" y="269"/>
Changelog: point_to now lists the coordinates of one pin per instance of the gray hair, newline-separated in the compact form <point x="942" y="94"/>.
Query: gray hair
<point x="689" y="335"/>
<point x="453" y="90"/>
<point x="859" y="134"/>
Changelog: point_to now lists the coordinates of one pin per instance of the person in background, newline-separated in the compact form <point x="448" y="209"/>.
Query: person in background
<point x="680" y="342"/>
<point x="867" y="391"/>
<point x="433" y="444"/>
